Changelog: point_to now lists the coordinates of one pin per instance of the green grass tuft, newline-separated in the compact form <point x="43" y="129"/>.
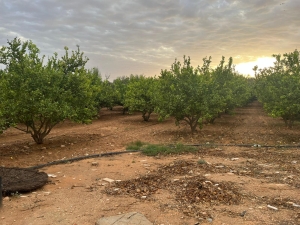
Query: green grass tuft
<point x="135" y="145"/>
<point x="202" y="161"/>
<point x="153" y="149"/>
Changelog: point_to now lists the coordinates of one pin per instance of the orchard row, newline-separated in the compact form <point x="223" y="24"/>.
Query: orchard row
<point x="38" y="93"/>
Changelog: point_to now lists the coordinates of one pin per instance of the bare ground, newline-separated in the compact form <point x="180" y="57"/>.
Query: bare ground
<point x="235" y="186"/>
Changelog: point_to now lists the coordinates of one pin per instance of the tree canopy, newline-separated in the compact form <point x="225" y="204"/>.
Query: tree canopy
<point x="40" y="94"/>
<point x="278" y="87"/>
<point x="140" y="96"/>
<point x="198" y="95"/>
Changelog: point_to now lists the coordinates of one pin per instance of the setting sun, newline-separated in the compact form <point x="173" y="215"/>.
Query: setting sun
<point x="247" y="68"/>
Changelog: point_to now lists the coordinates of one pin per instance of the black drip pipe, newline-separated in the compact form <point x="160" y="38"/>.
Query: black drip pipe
<point x="63" y="161"/>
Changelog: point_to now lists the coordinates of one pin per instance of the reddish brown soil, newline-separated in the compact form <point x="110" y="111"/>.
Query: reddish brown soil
<point x="235" y="187"/>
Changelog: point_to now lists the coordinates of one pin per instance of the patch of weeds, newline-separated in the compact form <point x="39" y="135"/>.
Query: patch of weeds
<point x="153" y="150"/>
<point x="202" y="161"/>
<point x="180" y="148"/>
<point x="136" y="145"/>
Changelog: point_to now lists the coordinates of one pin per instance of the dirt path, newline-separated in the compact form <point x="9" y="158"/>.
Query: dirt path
<point x="235" y="186"/>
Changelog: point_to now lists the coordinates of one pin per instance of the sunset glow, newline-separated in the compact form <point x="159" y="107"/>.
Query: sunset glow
<point x="247" y="68"/>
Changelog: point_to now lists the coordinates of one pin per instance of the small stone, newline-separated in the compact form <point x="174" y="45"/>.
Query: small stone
<point x="108" y="180"/>
<point x="95" y="164"/>
<point x="143" y="197"/>
<point x="219" y="166"/>
<point x="209" y="220"/>
<point x="251" y="160"/>
<point x="6" y="198"/>
<point x="62" y="146"/>
<point x="243" y="213"/>
<point x="272" y="207"/>
<point x="234" y="159"/>
<point x="51" y="175"/>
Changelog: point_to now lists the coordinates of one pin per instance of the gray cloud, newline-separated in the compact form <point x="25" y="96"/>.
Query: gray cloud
<point x="142" y="37"/>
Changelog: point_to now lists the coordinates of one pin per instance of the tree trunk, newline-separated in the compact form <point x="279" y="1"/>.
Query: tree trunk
<point x="288" y="122"/>
<point x="38" y="134"/>
<point x="38" y="137"/>
<point x="146" y="115"/>
<point x="193" y="122"/>
<point x="125" y="110"/>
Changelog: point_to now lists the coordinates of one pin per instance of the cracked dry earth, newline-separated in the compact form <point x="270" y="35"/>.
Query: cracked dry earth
<point x="237" y="185"/>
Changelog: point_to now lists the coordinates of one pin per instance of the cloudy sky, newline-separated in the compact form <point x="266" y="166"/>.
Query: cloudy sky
<point x="123" y="37"/>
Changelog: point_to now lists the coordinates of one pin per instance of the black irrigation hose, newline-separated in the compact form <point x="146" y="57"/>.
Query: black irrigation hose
<point x="63" y="161"/>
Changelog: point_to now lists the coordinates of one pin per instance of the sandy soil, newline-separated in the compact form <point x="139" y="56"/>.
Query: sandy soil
<point x="236" y="186"/>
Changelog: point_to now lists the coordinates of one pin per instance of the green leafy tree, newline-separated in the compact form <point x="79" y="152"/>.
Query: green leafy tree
<point x="217" y="93"/>
<point x="278" y="87"/>
<point x="43" y="94"/>
<point x="139" y="96"/>
<point x="199" y="95"/>
<point x="108" y="95"/>
<point x="226" y="90"/>
<point x="120" y="87"/>
<point x="4" y="120"/>
<point x="180" y="93"/>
